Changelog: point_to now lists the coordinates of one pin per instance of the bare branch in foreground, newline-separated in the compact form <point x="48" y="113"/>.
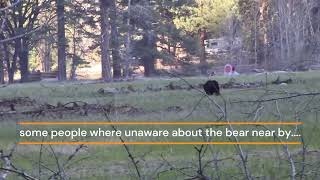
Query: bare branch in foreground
<point x="134" y="162"/>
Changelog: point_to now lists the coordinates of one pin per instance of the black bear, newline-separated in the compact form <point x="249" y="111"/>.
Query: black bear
<point x="211" y="87"/>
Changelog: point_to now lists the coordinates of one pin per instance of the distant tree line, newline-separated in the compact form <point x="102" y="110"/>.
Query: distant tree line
<point x="64" y="35"/>
<point x="282" y="33"/>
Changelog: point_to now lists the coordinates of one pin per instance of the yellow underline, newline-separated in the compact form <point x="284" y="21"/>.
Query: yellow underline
<point x="159" y="123"/>
<point x="159" y="143"/>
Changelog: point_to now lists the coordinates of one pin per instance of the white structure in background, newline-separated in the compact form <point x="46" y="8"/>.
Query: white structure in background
<point x="221" y="45"/>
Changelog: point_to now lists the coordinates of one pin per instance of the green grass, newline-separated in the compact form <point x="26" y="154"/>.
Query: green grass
<point x="112" y="162"/>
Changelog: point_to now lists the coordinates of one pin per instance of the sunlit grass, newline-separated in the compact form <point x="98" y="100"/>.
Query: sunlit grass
<point x="154" y="105"/>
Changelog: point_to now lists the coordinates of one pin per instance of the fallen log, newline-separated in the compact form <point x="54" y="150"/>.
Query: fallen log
<point x="278" y="81"/>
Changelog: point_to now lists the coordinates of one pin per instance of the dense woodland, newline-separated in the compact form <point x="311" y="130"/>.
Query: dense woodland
<point x="65" y="35"/>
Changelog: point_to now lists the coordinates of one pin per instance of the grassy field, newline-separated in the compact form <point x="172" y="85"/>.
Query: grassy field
<point x="171" y="161"/>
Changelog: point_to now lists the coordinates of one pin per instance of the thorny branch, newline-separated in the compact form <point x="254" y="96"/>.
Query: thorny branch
<point x="9" y="167"/>
<point x="132" y="158"/>
<point x="279" y="98"/>
<point x="225" y="117"/>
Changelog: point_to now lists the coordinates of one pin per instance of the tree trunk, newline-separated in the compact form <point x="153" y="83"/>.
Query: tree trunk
<point x="1" y="64"/>
<point x="44" y="49"/>
<point x="3" y="52"/>
<point x="46" y="59"/>
<point x="128" y="43"/>
<point x="105" y="56"/>
<point x="115" y="41"/>
<point x="148" y="59"/>
<point x="74" y="62"/>
<point x="264" y="32"/>
<point x="62" y="74"/>
<point x="73" y="69"/>
<point x="203" y="61"/>
<point x="11" y="65"/>
<point x="24" y="60"/>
